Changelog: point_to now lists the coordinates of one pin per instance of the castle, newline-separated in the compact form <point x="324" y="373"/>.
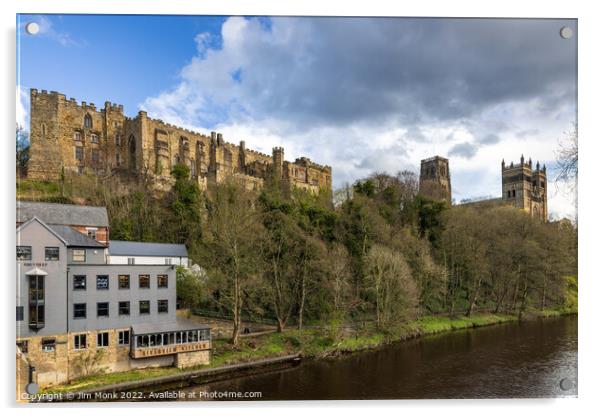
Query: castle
<point x="69" y="137"/>
<point x="522" y="186"/>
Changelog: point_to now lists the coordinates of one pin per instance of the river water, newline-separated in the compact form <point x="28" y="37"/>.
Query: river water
<point x="527" y="359"/>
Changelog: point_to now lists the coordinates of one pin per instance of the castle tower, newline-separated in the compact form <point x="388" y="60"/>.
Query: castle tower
<point x="46" y="160"/>
<point x="278" y="160"/>
<point x="526" y="188"/>
<point x="435" y="180"/>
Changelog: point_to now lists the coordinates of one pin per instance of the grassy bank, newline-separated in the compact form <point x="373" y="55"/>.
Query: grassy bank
<point x="313" y="343"/>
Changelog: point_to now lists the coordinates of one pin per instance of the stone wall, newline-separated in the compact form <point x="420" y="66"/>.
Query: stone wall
<point x="68" y="136"/>
<point x="191" y="359"/>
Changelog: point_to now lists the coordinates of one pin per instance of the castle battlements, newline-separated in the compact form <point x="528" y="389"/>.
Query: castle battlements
<point x="105" y="141"/>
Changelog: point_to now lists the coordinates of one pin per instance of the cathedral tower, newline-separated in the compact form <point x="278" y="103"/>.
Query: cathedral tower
<point x="526" y="188"/>
<point x="435" y="182"/>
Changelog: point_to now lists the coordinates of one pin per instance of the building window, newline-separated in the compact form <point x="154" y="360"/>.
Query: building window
<point x="124" y="308"/>
<point x="79" y="311"/>
<point x="79" y="153"/>
<point x="91" y="233"/>
<point x="144" y="281"/>
<point x="102" y="282"/>
<point x="79" y="341"/>
<point x="124" y="337"/>
<point x="36" y="302"/>
<point x="124" y="281"/>
<point x="102" y="309"/>
<point x="117" y="140"/>
<point x="79" y="254"/>
<point x="51" y="253"/>
<point x="48" y="345"/>
<point x="94" y="138"/>
<point x="20" y="313"/>
<point x="80" y="170"/>
<point x="77" y="136"/>
<point x="88" y="121"/>
<point x="162" y="306"/>
<point x="23" y="252"/>
<point x="79" y="282"/>
<point x="509" y="194"/>
<point x="161" y="280"/>
<point x="43" y="128"/>
<point x="95" y="157"/>
<point x="131" y="260"/>
<point x="23" y="346"/>
<point x="167" y="260"/>
<point x="144" y="307"/>
<point x="514" y="193"/>
<point x="102" y="339"/>
<point x="117" y="159"/>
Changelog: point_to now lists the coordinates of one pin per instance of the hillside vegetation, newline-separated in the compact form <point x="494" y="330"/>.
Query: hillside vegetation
<point x="382" y="255"/>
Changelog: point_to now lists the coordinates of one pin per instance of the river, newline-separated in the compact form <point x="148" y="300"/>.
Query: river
<point x="527" y="359"/>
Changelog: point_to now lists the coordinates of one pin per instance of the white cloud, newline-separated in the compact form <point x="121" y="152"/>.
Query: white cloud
<point x="22" y="106"/>
<point x="47" y="29"/>
<point x="361" y="95"/>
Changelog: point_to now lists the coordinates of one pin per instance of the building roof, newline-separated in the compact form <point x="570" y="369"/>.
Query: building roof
<point x="180" y="324"/>
<point x="137" y="248"/>
<point x="74" y="238"/>
<point x="62" y="214"/>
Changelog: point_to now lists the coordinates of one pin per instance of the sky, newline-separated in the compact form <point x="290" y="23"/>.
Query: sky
<point x="359" y="94"/>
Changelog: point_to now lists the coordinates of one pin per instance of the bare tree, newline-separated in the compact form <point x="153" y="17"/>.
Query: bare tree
<point x="232" y="230"/>
<point x="567" y="157"/>
<point x="391" y="283"/>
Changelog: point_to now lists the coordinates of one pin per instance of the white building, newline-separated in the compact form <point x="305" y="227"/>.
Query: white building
<point x="134" y="252"/>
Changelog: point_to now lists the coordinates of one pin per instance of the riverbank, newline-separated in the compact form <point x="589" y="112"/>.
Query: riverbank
<point x="328" y="341"/>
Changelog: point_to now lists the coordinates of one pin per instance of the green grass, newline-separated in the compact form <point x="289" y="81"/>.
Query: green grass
<point x="99" y="380"/>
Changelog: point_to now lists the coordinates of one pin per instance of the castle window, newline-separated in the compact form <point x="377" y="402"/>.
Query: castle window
<point x="94" y="138"/>
<point x="95" y="155"/>
<point x="77" y="136"/>
<point x="509" y="193"/>
<point x="514" y="193"/>
<point x="117" y="159"/>
<point x="88" y="121"/>
<point x="43" y="130"/>
<point x="79" y="153"/>
<point x="117" y="140"/>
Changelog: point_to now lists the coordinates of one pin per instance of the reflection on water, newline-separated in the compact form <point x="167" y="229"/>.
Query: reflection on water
<point x="527" y="359"/>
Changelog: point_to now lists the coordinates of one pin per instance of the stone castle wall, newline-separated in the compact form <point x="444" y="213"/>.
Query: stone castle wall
<point x="67" y="136"/>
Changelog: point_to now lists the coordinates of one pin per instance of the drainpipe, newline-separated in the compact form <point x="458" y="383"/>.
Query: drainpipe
<point x="67" y="321"/>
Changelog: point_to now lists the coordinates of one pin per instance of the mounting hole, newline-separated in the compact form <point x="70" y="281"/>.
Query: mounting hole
<point x="566" y="32"/>
<point x="32" y="28"/>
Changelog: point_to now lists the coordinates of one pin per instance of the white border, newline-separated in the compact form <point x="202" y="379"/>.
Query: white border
<point x="590" y="112"/>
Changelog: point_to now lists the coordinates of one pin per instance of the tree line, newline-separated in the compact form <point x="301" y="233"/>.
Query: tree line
<point x="383" y="254"/>
<point x="380" y="253"/>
